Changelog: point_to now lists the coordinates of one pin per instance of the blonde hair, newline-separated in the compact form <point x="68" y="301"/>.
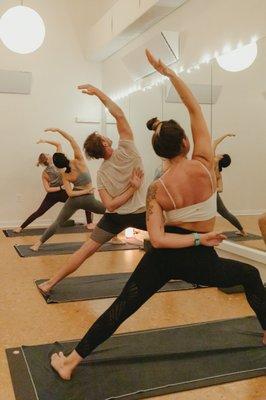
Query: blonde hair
<point x="42" y="160"/>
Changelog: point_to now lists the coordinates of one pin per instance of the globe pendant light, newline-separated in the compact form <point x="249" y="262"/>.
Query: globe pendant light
<point x="22" y="29"/>
<point x="239" y="59"/>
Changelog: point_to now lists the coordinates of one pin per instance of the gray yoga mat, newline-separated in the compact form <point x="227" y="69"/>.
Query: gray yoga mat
<point x="68" y="248"/>
<point x="39" y="231"/>
<point x="233" y="237"/>
<point x="144" y="364"/>
<point x="234" y="289"/>
<point x="99" y="287"/>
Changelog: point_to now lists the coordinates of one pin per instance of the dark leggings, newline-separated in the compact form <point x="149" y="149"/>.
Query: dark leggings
<point x="48" y="202"/>
<point x="200" y="265"/>
<point x="222" y="210"/>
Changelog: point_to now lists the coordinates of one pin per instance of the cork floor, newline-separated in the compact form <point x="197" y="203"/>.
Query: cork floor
<point x="27" y="319"/>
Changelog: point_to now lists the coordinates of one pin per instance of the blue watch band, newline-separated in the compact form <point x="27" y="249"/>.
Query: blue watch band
<point x="196" y="239"/>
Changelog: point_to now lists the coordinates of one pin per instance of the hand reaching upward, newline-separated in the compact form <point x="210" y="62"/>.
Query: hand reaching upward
<point x="88" y="89"/>
<point x="159" y="65"/>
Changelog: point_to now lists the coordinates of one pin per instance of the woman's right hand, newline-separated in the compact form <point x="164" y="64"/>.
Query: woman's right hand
<point x="136" y="178"/>
<point x="211" y="239"/>
<point x="52" y="130"/>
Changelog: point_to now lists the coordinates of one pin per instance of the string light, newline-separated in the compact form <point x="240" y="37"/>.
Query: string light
<point x="160" y="80"/>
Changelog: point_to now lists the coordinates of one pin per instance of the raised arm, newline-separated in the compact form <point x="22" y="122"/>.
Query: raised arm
<point x="200" y="131"/>
<point x="123" y="126"/>
<point x="155" y="225"/>
<point x="46" y="184"/>
<point x="77" y="151"/>
<point x="53" y="143"/>
<point x="112" y="203"/>
<point x="217" y="141"/>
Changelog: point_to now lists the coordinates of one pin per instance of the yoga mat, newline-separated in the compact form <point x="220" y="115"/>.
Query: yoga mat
<point x="39" y="231"/>
<point x="233" y="237"/>
<point x="235" y="289"/>
<point x="144" y="364"/>
<point x="98" y="287"/>
<point x="68" y="248"/>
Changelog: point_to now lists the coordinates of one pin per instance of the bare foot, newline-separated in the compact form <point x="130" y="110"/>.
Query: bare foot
<point x="17" y="230"/>
<point x="60" y="365"/>
<point x="116" y="240"/>
<point x="91" y="226"/>
<point x="45" y="288"/>
<point x="36" y="246"/>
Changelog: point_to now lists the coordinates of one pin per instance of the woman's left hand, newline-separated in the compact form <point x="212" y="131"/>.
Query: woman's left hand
<point x="211" y="239"/>
<point x="159" y="65"/>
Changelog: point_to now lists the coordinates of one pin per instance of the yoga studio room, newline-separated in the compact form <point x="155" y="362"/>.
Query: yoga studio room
<point x="133" y="199"/>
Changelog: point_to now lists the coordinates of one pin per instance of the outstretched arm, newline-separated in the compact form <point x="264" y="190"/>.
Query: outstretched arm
<point x="217" y="141"/>
<point x="53" y="143"/>
<point x="159" y="238"/>
<point x="112" y="203"/>
<point x="123" y="126"/>
<point x="200" y="131"/>
<point x="77" y="151"/>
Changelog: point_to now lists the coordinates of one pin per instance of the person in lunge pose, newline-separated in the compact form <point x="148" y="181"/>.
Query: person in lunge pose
<point x="53" y="185"/>
<point x="183" y="248"/>
<point x="223" y="161"/>
<point x="120" y="185"/>
<point x="74" y="172"/>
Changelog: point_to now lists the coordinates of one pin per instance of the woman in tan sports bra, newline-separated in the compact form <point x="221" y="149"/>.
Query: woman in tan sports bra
<point x="187" y="196"/>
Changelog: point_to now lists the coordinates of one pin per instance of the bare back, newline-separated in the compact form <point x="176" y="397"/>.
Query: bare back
<point x="78" y="168"/>
<point x="188" y="183"/>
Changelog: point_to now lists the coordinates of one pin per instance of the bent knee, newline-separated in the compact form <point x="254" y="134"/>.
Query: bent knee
<point x="251" y="272"/>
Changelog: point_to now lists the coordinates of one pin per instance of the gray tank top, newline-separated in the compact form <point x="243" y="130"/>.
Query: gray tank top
<point x="84" y="178"/>
<point x="55" y="178"/>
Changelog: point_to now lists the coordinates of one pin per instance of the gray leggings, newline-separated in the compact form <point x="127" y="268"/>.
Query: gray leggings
<point x="86" y="202"/>
<point x="222" y="210"/>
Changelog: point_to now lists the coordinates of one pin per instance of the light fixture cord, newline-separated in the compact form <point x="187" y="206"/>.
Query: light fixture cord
<point x="22" y="2"/>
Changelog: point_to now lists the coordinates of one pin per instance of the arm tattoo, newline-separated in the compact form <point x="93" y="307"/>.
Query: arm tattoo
<point x="151" y="195"/>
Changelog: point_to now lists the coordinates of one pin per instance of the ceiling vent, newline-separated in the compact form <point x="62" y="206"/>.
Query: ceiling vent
<point x="165" y="45"/>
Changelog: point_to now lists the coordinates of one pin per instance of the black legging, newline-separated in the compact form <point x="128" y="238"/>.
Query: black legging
<point x="222" y="210"/>
<point x="48" y="202"/>
<point x="200" y="265"/>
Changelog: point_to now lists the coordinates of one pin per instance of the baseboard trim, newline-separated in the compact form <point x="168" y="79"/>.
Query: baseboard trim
<point x="243" y="251"/>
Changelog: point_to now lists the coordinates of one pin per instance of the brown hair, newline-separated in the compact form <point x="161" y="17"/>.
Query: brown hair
<point x="42" y="160"/>
<point x="93" y="146"/>
<point x="167" y="140"/>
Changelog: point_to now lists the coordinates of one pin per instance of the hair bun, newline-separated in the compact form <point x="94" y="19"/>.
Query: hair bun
<point x="150" y="124"/>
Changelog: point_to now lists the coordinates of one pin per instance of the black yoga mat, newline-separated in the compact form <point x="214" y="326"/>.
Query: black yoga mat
<point x="99" y="287"/>
<point x="234" y="237"/>
<point x="39" y="231"/>
<point x="234" y="289"/>
<point x="68" y="248"/>
<point x="145" y="364"/>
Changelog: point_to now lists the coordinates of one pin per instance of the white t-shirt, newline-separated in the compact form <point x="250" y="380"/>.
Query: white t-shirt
<point x="115" y="173"/>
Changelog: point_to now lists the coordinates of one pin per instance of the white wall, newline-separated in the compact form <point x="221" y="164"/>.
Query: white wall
<point x="240" y="109"/>
<point x="205" y="26"/>
<point x="57" y="68"/>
